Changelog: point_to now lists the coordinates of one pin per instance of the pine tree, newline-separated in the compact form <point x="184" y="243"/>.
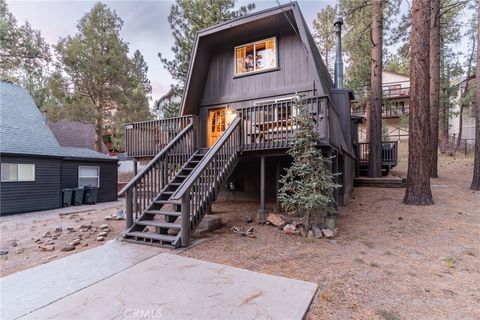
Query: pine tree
<point x="476" y="164"/>
<point x="186" y="18"/>
<point x="307" y="187"/>
<point x="324" y="36"/>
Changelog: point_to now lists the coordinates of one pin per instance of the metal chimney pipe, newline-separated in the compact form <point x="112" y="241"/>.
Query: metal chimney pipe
<point x="338" y="50"/>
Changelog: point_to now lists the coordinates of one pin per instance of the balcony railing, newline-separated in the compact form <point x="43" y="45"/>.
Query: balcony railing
<point x="390" y="93"/>
<point x="387" y="112"/>
<point x="147" y="138"/>
<point x="270" y="125"/>
<point x="389" y="153"/>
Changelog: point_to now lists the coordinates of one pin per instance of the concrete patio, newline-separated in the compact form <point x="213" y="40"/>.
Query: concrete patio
<point x="121" y="280"/>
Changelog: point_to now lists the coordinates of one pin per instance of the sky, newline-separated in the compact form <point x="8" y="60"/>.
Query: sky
<point x="145" y="26"/>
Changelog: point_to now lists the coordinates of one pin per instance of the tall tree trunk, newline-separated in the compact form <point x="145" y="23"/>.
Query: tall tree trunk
<point x="418" y="176"/>
<point x="476" y="164"/>
<point x="375" y="114"/>
<point x="460" y="127"/>
<point x="434" y="83"/>
<point x="444" y="112"/>
<point x="99" y="128"/>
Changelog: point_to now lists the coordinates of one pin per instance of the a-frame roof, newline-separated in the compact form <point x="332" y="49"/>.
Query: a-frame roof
<point x="284" y="15"/>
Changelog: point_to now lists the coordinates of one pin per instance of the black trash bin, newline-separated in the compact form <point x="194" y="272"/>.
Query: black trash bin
<point x="77" y="196"/>
<point x="90" y="196"/>
<point x="67" y="197"/>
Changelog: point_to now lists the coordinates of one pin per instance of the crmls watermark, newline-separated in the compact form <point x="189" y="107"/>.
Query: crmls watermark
<point x="133" y="313"/>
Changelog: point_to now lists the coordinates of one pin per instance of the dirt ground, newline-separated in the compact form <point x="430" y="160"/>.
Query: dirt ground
<point x="388" y="261"/>
<point x="24" y="235"/>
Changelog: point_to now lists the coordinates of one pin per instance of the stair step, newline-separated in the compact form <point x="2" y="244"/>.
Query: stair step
<point x="158" y="224"/>
<point x="164" y="212"/>
<point x="152" y="236"/>
<point x="167" y="202"/>
<point x="174" y="183"/>
<point x="168" y="192"/>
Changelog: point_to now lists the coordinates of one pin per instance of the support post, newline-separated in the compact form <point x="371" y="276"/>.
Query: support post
<point x="185" y="231"/>
<point x="261" y="212"/>
<point x="129" y="209"/>
<point x="277" y="186"/>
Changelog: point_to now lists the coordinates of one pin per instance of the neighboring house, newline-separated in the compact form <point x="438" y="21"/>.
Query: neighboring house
<point x="396" y="94"/>
<point x="170" y="97"/>
<point x="75" y="134"/>
<point x="35" y="167"/>
<point x="468" y="119"/>
<point x="236" y="126"/>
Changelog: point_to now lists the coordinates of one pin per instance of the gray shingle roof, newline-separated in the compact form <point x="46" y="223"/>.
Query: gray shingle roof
<point x="75" y="134"/>
<point x="23" y="130"/>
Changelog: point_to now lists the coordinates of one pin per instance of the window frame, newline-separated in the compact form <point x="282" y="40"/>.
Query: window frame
<point x="275" y="67"/>
<point x="79" y="177"/>
<point x="18" y="165"/>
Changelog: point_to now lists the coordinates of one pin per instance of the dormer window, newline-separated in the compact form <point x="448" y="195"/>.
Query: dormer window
<point x="256" y="56"/>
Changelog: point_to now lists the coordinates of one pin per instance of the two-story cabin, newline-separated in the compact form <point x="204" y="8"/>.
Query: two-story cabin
<point x="236" y="125"/>
<point x="396" y="94"/>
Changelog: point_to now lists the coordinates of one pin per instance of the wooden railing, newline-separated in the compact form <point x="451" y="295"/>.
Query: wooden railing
<point x="387" y="93"/>
<point x="270" y="125"/>
<point x="389" y="153"/>
<point x="147" y="184"/>
<point x="199" y="190"/>
<point x="148" y="138"/>
<point x="387" y="111"/>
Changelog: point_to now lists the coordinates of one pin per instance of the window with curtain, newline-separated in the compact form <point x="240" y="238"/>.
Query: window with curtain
<point x="88" y="176"/>
<point x="256" y="56"/>
<point x="18" y="172"/>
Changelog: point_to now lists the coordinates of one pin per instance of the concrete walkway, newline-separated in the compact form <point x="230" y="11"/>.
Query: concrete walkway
<point x="139" y="284"/>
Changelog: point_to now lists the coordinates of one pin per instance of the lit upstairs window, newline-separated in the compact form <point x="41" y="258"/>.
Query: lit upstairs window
<point x="256" y="56"/>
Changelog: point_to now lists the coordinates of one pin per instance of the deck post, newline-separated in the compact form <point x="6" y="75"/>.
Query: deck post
<point x="129" y="209"/>
<point x="185" y="230"/>
<point x="261" y="212"/>
<point x="277" y="186"/>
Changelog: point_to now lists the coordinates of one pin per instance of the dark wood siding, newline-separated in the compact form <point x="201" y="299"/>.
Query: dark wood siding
<point x="42" y="194"/>
<point x="293" y="75"/>
<point x="108" y="177"/>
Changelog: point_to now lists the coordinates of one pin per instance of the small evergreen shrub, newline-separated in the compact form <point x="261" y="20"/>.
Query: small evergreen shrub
<point x="308" y="185"/>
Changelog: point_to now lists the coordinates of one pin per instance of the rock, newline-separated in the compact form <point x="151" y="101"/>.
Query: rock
<point x="103" y="234"/>
<point x="70" y="229"/>
<point x="58" y="229"/>
<point x="400" y="218"/>
<point x="119" y="215"/>
<point x="49" y="247"/>
<point x="310" y="233"/>
<point x="209" y="223"/>
<point x="100" y="238"/>
<point x="248" y="219"/>
<point x="302" y="229"/>
<point x="75" y="242"/>
<point x="85" y="226"/>
<point x="275" y="220"/>
<point x="85" y="245"/>
<point x="47" y="234"/>
<point x="21" y="250"/>
<point x="108" y="218"/>
<point x="14" y="243"/>
<point x="289" y="229"/>
<point x="68" y="248"/>
<point x="3" y="252"/>
<point x="103" y="226"/>
<point x="317" y="232"/>
<point x="54" y="238"/>
<point x="327" y="233"/>
<point x="37" y="241"/>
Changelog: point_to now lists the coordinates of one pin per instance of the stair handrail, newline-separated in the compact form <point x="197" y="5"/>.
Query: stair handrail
<point x="155" y="159"/>
<point x="206" y="160"/>
<point x="144" y="187"/>
<point x="198" y="191"/>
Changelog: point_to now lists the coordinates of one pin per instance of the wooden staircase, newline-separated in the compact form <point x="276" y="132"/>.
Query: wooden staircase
<point x="158" y="224"/>
<point x="167" y="200"/>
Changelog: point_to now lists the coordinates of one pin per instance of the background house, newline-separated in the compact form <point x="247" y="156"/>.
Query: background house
<point x="75" y="134"/>
<point x="170" y="98"/>
<point x="35" y="167"/>
<point x="468" y="118"/>
<point x="396" y="94"/>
